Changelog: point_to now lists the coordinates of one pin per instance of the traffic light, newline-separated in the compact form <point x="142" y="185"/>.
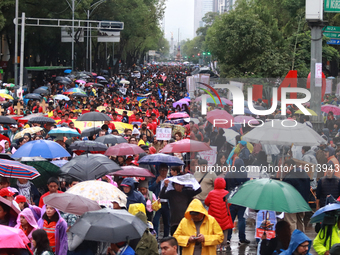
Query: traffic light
<point x="203" y="53"/>
<point x="208" y="53"/>
<point x="193" y="56"/>
<point x="198" y="54"/>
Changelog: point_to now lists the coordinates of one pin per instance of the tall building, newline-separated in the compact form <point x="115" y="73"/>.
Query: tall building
<point x="225" y="5"/>
<point x="201" y="7"/>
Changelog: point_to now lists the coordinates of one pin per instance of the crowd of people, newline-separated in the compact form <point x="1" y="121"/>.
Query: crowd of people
<point x="196" y="218"/>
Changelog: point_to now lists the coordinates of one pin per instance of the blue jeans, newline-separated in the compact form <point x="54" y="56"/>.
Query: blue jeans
<point x="239" y="211"/>
<point x="165" y="213"/>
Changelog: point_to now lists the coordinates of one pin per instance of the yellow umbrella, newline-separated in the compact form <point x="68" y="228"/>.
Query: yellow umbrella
<point x="31" y="131"/>
<point x="6" y="96"/>
<point x="310" y="111"/>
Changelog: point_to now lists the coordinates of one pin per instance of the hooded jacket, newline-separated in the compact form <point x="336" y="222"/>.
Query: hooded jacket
<point x="133" y="196"/>
<point x="28" y="215"/>
<point x="60" y="233"/>
<point x="297" y="238"/>
<point x="319" y="241"/>
<point x="213" y="234"/>
<point x="217" y="206"/>
<point x="147" y="245"/>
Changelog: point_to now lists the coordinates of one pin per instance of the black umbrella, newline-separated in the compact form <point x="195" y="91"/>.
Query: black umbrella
<point x="79" y="95"/>
<point x="88" y="146"/>
<point x="7" y="120"/>
<point x="94" y="116"/>
<point x="103" y="81"/>
<point x="64" y="82"/>
<point x="111" y="139"/>
<point x="90" y="131"/>
<point x="33" y="96"/>
<point x="97" y="85"/>
<point x="108" y="225"/>
<point x="41" y="120"/>
<point x="41" y="91"/>
<point x="89" y="167"/>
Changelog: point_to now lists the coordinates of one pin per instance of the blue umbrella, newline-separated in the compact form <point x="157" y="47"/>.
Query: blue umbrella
<point x="63" y="131"/>
<point x="41" y="148"/>
<point x="320" y="214"/>
<point x="68" y="71"/>
<point x="157" y="159"/>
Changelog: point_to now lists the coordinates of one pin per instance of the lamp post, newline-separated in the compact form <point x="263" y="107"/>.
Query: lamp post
<point x="16" y="42"/>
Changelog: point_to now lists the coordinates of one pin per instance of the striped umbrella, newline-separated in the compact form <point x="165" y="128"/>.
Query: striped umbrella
<point x="74" y="90"/>
<point x="14" y="169"/>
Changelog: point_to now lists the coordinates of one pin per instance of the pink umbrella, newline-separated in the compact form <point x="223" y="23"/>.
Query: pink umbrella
<point x="227" y="101"/>
<point x="80" y="81"/>
<point x="12" y="238"/>
<point x="185" y="145"/>
<point x="180" y="103"/>
<point x="178" y="115"/>
<point x="133" y="171"/>
<point x="220" y="118"/>
<point x="94" y="74"/>
<point x="89" y="84"/>
<point x="123" y="149"/>
<point x="186" y="99"/>
<point x="245" y="119"/>
<point x="330" y="108"/>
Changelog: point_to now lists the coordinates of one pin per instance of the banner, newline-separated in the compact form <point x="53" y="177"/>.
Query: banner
<point x="210" y="155"/>
<point x="120" y="112"/>
<point x="163" y="133"/>
<point x="265" y="222"/>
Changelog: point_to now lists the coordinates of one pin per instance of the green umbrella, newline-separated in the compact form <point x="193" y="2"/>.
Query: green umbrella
<point x="271" y="195"/>
<point x="44" y="167"/>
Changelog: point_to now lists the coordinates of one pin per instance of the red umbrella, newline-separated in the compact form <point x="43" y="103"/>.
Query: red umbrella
<point x="178" y="115"/>
<point x="133" y="171"/>
<point x="123" y="149"/>
<point x="220" y="118"/>
<point x="185" y="145"/>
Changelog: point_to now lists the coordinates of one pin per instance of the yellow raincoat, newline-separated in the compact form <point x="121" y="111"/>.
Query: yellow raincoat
<point x="213" y="234"/>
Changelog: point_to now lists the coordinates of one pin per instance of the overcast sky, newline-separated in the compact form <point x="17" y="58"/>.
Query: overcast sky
<point x="179" y="14"/>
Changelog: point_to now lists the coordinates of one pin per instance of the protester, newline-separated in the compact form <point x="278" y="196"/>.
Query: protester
<point x="133" y="196"/>
<point x="41" y="243"/>
<point x="27" y="223"/>
<point x="53" y="186"/>
<point x="299" y="244"/>
<point x="169" y="246"/>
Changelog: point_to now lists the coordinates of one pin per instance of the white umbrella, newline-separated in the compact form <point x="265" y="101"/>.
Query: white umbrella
<point x="284" y="133"/>
<point x="230" y="135"/>
<point x="124" y="82"/>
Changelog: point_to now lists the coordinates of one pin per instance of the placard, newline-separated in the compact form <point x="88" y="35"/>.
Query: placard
<point x="265" y="222"/>
<point x="163" y="133"/>
<point x="210" y="155"/>
<point x="318" y="74"/>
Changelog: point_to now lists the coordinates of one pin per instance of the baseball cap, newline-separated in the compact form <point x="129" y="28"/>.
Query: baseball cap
<point x="20" y="199"/>
<point x="5" y="192"/>
<point x="325" y="149"/>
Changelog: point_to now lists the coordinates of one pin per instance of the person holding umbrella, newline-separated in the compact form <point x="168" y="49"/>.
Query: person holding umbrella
<point x="27" y="223"/>
<point x="133" y="196"/>
<point x="300" y="244"/>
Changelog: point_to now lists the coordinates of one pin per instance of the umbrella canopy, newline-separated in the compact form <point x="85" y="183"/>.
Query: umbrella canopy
<point x="94" y="116"/>
<point x="59" y="162"/>
<point x="31" y="131"/>
<point x="328" y="107"/>
<point x="77" y="94"/>
<point x="74" y="90"/>
<point x="270" y="195"/>
<point x="133" y="171"/>
<point x="97" y="85"/>
<point x="33" y="96"/>
<point x="224" y="118"/>
<point x="320" y="214"/>
<point x="89" y="167"/>
<point x="80" y="81"/>
<point x="185" y="145"/>
<point x="100" y="77"/>
<point x="6" y="96"/>
<point x="41" y="120"/>
<point x="63" y="132"/>
<point x="90" y="131"/>
<point x="178" y="115"/>
<point x="111" y="139"/>
<point x="61" y="97"/>
<point x="12" y="238"/>
<point x="68" y="71"/>
<point x="70" y="203"/>
<point x="123" y="149"/>
<point x="99" y="191"/>
<point x="41" y="91"/>
<point x="123" y="82"/>
<point x="88" y="146"/>
<point x="274" y="132"/>
<point x="45" y="168"/>
<point x="108" y="225"/>
<point x="14" y="211"/>
<point x="159" y="158"/>
<point x="7" y="120"/>
<point x="180" y="103"/>
<point x="230" y="135"/>
<point x="309" y="110"/>
<point x="41" y="148"/>
<point x="14" y="169"/>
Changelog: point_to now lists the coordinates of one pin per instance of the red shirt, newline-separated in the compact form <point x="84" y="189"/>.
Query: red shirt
<point x="39" y="110"/>
<point x="41" y="201"/>
<point x="152" y="127"/>
<point x="112" y="126"/>
<point x="66" y="121"/>
<point x="10" y="110"/>
<point x="156" y="122"/>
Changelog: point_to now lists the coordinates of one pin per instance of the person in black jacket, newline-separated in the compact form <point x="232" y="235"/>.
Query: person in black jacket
<point x="300" y="180"/>
<point x="28" y="190"/>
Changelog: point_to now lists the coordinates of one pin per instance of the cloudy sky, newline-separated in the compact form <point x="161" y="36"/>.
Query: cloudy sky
<point x="179" y="14"/>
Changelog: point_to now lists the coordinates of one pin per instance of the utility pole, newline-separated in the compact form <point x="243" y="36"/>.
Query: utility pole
<point x="314" y="17"/>
<point x="16" y="43"/>
<point x="73" y="35"/>
<point x="22" y="48"/>
<point x="87" y="42"/>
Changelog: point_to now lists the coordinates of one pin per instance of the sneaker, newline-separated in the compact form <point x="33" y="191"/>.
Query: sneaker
<point x="224" y="249"/>
<point x="245" y="241"/>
